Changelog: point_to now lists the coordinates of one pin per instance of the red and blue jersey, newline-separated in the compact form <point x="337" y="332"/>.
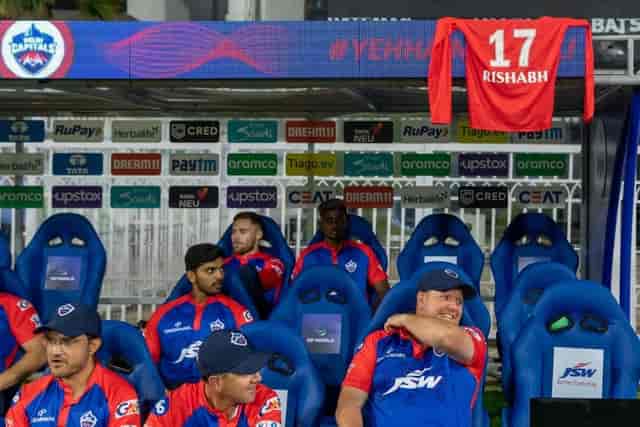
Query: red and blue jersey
<point x="188" y="406"/>
<point x="108" y="401"/>
<point x="18" y="321"/>
<point x="356" y="258"/>
<point x="178" y="328"/>
<point x="409" y="384"/>
<point x="270" y="271"/>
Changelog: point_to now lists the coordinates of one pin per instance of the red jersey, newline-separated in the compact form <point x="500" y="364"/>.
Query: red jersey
<point x="18" y="321"/>
<point x="511" y="68"/>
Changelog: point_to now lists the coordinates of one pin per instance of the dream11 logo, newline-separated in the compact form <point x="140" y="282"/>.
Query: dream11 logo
<point x="35" y="49"/>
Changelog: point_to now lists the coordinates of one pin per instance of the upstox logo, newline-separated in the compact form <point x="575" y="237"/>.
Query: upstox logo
<point x="262" y="164"/>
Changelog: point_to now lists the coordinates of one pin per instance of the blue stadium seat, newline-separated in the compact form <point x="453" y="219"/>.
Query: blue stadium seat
<point x="64" y="262"/>
<point x="575" y="344"/>
<point x="122" y="342"/>
<point x="9" y="280"/>
<point x="360" y="229"/>
<point x="529" y="238"/>
<point x="330" y="312"/>
<point x="441" y="237"/>
<point x="274" y="243"/>
<point x="290" y="372"/>
<point x="231" y="287"/>
<point x="402" y="299"/>
<point x="526" y="292"/>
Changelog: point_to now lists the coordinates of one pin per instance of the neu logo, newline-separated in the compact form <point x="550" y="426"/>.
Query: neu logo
<point x="579" y="370"/>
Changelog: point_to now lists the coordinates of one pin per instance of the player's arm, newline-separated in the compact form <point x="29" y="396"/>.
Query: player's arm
<point x="125" y="411"/>
<point x="350" y="403"/>
<point x="152" y="338"/>
<point x="34" y="358"/>
<point x="376" y="276"/>
<point x="272" y="274"/>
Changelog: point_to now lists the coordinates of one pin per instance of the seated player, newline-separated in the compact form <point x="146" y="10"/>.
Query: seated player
<point x="176" y="329"/>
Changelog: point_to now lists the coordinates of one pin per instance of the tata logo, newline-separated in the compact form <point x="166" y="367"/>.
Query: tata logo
<point x="414" y="380"/>
<point x="36" y="49"/>
<point x="579" y="370"/>
<point x="190" y="352"/>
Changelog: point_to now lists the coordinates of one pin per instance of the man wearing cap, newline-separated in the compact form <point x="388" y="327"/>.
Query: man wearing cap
<point x="79" y="391"/>
<point x="229" y="393"/>
<point x="423" y="369"/>
<point x="356" y="258"/>
<point x="177" y="329"/>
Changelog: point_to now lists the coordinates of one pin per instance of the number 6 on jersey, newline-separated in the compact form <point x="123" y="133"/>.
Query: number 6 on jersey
<point x="497" y="39"/>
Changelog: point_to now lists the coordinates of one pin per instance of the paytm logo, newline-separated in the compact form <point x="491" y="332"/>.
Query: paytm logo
<point x="579" y="370"/>
<point x="414" y="380"/>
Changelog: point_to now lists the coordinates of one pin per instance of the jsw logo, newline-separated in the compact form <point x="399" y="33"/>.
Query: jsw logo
<point x="579" y="370"/>
<point x="414" y="380"/>
<point x="190" y="352"/>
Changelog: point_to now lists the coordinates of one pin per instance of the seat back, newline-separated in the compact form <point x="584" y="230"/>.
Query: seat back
<point x="327" y="309"/>
<point x="64" y="262"/>
<point x="9" y="280"/>
<point x="290" y="372"/>
<point x="529" y="238"/>
<point x="441" y="237"/>
<point x="123" y="344"/>
<point x="528" y="289"/>
<point x="575" y="344"/>
<point x="273" y="242"/>
<point x="360" y="229"/>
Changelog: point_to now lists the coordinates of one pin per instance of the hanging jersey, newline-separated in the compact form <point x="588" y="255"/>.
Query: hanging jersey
<point x="178" y="328"/>
<point x="511" y="67"/>
<point x="410" y="385"/>
<point x="18" y="321"/>
<point x="270" y="271"/>
<point x="108" y="401"/>
<point x="187" y="406"/>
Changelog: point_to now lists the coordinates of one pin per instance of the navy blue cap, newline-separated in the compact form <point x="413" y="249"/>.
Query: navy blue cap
<point x="444" y="279"/>
<point x="229" y="351"/>
<point x="73" y="320"/>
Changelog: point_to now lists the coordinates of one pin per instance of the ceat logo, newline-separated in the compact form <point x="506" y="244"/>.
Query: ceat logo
<point x="414" y="380"/>
<point x="579" y="370"/>
<point x="35" y="49"/>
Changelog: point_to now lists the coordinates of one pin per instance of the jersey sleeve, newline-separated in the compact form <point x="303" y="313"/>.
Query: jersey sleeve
<point x="161" y="416"/>
<point x="360" y="372"/>
<point x="268" y="409"/>
<point x="16" y="416"/>
<point x="124" y="408"/>
<point x="299" y="265"/>
<point x="476" y="366"/>
<point x="272" y="274"/>
<point x="375" y="272"/>
<point x="152" y="338"/>
<point x="241" y="315"/>
<point x="23" y="319"/>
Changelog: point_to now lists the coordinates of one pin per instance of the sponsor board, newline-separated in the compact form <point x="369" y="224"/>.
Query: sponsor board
<point x="21" y="130"/>
<point x="322" y="333"/>
<point x="368" y="197"/>
<point x="135" y="197"/>
<point x="254" y="164"/>
<point x="308" y="197"/>
<point x="305" y="164"/>
<point x="483" y="164"/>
<point x="483" y="197"/>
<point x="194" y="164"/>
<point x="136" y="163"/>
<point x="194" y="131"/>
<point x="21" y="163"/>
<point x="415" y="164"/>
<point x="465" y="133"/>
<point x="577" y="373"/>
<point x="136" y="131"/>
<point x="554" y="135"/>
<point x="21" y="197"/>
<point x="368" y="164"/>
<point x="252" y="131"/>
<point x="76" y="197"/>
<point x="252" y="197"/>
<point x="77" y="163"/>
<point x="425" y="197"/>
<point x="368" y="132"/>
<point x="78" y="131"/>
<point x="538" y="164"/>
<point x="423" y="131"/>
<point x="193" y="197"/>
<point x="541" y="197"/>
<point x="310" y="131"/>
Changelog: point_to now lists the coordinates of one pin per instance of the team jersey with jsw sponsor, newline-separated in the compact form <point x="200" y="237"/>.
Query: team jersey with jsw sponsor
<point x="187" y="406"/>
<point x="178" y="328"/>
<point x="410" y="385"/>
<point x="108" y="401"/>
<point x="511" y="67"/>
<point x="356" y="258"/>
<point x="18" y="320"/>
<point x="270" y="271"/>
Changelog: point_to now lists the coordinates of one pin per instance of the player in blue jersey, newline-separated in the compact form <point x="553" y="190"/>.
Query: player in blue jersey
<point x="79" y="391"/>
<point x="423" y="369"/>
<point x="356" y="258"/>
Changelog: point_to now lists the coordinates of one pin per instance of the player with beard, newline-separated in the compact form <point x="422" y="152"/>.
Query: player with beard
<point x="176" y="330"/>
<point x="79" y="391"/>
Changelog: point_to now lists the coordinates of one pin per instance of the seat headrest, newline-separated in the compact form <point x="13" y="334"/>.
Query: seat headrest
<point x="68" y="226"/>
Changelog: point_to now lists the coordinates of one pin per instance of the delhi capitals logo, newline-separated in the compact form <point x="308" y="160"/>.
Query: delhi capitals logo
<point x="36" y="49"/>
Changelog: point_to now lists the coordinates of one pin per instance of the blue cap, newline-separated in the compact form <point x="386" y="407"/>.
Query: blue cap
<point x="73" y="320"/>
<point x="229" y="351"/>
<point x="444" y="279"/>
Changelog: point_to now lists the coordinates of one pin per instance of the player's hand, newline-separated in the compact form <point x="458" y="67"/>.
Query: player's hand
<point x="395" y="322"/>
